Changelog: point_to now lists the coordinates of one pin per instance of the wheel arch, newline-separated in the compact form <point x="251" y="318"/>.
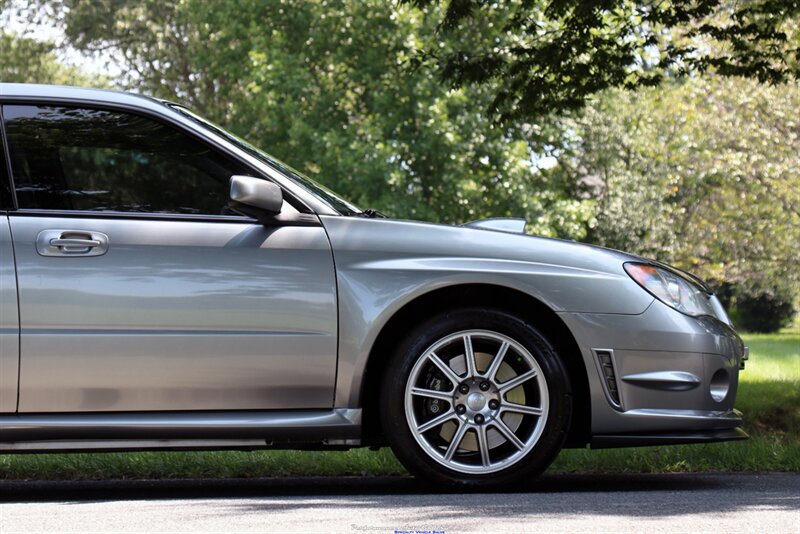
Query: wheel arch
<point x="514" y="301"/>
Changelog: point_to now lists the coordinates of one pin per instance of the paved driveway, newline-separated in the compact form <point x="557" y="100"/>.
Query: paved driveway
<point x="641" y="503"/>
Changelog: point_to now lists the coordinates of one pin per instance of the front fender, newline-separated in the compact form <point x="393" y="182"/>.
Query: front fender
<point x="383" y="265"/>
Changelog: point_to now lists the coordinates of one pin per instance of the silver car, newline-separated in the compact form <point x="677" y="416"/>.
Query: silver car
<point x="163" y="284"/>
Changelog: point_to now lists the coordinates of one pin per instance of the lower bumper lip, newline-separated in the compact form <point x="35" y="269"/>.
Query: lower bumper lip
<point x="666" y="438"/>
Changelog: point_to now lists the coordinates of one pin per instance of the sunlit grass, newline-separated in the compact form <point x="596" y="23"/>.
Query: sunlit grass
<point x="769" y="397"/>
<point x="774" y="357"/>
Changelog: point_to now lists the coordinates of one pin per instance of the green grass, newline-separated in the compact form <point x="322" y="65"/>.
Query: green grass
<point x="769" y="396"/>
<point x="221" y="464"/>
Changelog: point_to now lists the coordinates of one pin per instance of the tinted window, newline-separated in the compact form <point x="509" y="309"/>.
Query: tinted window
<point x="331" y="198"/>
<point x="86" y="159"/>
<point x="5" y="191"/>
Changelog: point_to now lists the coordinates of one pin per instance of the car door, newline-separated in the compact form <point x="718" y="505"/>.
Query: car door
<point x="9" y="315"/>
<point x="140" y="291"/>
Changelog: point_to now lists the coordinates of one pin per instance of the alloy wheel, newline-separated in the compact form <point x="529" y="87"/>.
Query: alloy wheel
<point x="476" y="401"/>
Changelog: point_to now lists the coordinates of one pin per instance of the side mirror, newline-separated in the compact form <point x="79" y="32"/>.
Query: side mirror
<point x="256" y="193"/>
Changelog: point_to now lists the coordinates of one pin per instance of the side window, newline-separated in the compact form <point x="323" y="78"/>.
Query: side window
<point x="65" y="158"/>
<point x="5" y="186"/>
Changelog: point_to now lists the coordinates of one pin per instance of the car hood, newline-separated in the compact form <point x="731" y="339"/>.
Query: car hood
<point x="480" y="239"/>
<point x="517" y="226"/>
<point x="499" y="224"/>
<point x="418" y="256"/>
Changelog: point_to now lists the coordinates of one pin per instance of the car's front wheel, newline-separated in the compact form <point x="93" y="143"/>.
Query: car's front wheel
<point x="475" y="398"/>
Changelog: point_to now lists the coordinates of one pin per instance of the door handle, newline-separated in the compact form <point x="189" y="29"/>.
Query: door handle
<point x="79" y="243"/>
<point x="82" y="243"/>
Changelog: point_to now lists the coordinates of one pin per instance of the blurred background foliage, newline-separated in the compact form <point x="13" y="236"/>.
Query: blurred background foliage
<point x="697" y="163"/>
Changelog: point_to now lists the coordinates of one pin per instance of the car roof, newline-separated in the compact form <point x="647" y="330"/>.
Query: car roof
<point x="34" y="91"/>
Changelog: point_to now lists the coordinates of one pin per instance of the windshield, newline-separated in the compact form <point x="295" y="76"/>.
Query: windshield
<point x="329" y="197"/>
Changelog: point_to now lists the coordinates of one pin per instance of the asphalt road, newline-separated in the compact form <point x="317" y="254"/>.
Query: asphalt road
<point x="719" y="503"/>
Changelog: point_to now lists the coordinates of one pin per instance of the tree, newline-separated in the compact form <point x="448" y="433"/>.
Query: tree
<point x="27" y="60"/>
<point x="539" y="57"/>
<point x="703" y="173"/>
<point x="24" y="59"/>
<point x="320" y="84"/>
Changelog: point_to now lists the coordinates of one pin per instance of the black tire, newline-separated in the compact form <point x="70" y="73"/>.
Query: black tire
<point x="504" y="463"/>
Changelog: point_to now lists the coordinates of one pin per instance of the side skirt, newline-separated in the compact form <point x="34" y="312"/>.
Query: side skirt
<point x="180" y="430"/>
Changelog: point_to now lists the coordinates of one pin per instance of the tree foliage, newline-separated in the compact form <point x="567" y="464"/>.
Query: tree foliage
<point x="23" y="59"/>
<point x="323" y="85"/>
<point x="767" y="311"/>
<point x="543" y="56"/>
<point x="703" y="173"/>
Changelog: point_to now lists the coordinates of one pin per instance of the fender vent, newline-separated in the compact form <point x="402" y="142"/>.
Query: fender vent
<point x="608" y="373"/>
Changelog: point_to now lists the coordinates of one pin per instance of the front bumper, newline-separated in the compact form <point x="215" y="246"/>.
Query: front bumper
<point x="659" y="377"/>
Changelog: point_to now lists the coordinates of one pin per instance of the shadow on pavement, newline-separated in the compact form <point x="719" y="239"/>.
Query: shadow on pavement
<point x="113" y="490"/>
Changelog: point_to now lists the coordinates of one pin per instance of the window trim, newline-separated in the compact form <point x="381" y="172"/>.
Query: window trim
<point x="86" y="214"/>
<point x="281" y="219"/>
<point x="8" y="191"/>
<point x="297" y="203"/>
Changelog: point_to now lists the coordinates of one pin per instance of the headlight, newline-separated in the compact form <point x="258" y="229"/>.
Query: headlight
<point x="671" y="289"/>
